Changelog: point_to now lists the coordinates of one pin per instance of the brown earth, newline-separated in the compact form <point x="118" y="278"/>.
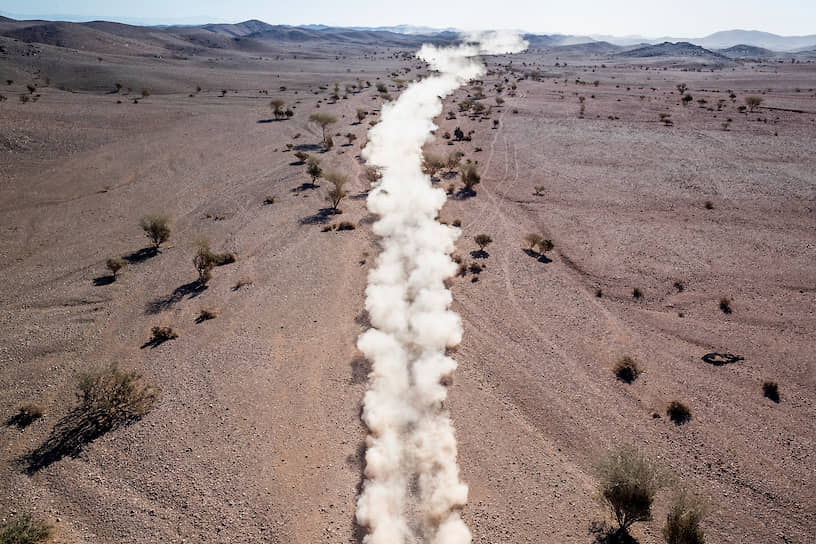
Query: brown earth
<point x="257" y="436"/>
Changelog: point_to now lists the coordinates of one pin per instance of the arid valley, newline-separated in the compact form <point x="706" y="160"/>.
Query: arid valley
<point x="683" y="237"/>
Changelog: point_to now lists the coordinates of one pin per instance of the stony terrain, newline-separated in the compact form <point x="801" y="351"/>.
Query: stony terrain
<point x="257" y="436"/>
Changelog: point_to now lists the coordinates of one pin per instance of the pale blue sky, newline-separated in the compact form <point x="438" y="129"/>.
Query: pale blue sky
<point x="651" y="18"/>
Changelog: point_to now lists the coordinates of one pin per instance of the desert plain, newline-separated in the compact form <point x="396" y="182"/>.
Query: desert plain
<point x="256" y="435"/>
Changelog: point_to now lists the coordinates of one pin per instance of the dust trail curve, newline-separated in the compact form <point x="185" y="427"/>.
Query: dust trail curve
<point x="412" y="491"/>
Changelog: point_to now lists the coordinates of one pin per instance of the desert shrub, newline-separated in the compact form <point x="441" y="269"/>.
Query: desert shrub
<point x="678" y="412"/>
<point x="708" y="205"/>
<point x="752" y="102"/>
<point x="25" y="530"/>
<point x="725" y="305"/>
<point x="243" y="282"/>
<point x="24" y="98"/>
<point x="470" y="176"/>
<point x="115" y="264"/>
<point x="458" y="134"/>
<point x="114" y="396"/>
<point x="538" y="190"/>
<point x="361" y="114"/>
<point x="680" y="286"/>
<point x="277" y="105"/>
<point x="532" y="240"/>
<point x="382" y="88"/>
<point x="453" y="159"/>
<point x="681" y="88"/>
<point x="626" y="370"/>
<point x="599" y="292"/>
<point x="351" y="137"/>
<point x="457" y="223"/>
<point x="162" y="334"/>
<point x="372" y="174"/>
<point x="302" y="156"/>
<point x="475" y="268"/>
<point x="683" y="520"/>
<point x="206" y="314"/>
<point x="432" y="163"/>
<point x="545" y="245"/>
<point x="346" y="225"/>
<point x="26" y="415"/>
<point x="337" y="192"/>
<point x="637" y="293"/>
<point x="156" y="228"/>
<point x="269" y="200"/>
<point x="31" y="88"/>
<point x="770" y="389"/>
<point x="313" y="168"/>
<point x="627" y="483"/>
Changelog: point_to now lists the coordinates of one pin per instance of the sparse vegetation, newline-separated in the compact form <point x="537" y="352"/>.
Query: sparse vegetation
<point x="243" y="282"/>
<point x="432" y="163"/>
<point x="708" y="205"/>
<point x="538" y="190"/>
<point x="770" y="389"/>
<point x="627" y="483"/>
<point x="277" y="105"/>
<point x="532" y="240"/>
<point x="637" y="294"/>
<point x="626" y="370"/>
<point x="206" y="314"/>
<point x="24" y="529"/>
<point x="678" y="412"/>
<point x="156" y="228"/>
<point x="26" y="415"/>
<point x="683" y="519"/>
<point x="313" y="169"/>
<point x="159" y="335"/>
<point x="482" y="240"/>
<point x="725" y="305"/>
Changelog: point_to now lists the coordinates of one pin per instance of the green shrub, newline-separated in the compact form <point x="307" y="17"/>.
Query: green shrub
<point x="113" y="396"/>
<point x="627" y="483"/>
<point x="337" y="192"/>
<point x="25" y="530"/>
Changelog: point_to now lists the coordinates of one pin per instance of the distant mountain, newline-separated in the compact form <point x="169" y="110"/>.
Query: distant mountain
<point x="756" y="38"/>
<point x="679" y="49"/>
<point x="743" y="51"/>
<point x="586" y="48"/>
<point x="406" y="29"/>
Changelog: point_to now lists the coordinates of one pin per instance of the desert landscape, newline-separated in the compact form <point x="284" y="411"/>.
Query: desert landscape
<point x="636" y="265"/>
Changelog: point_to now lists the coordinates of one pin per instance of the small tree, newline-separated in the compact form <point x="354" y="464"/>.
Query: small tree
<point x="323" y="120"/>
<point x="351" y="137"/>
<point x="482" y="240"/>
<point x="681" y="87"/>
<point x="115" y="264"/>
<point x="313" y="169"/>
<point x="204" y="263"/>
<point x="687" y="98"/>
<point x="753" y="102"/>
<point x="458" y="134"/>
<point x="683" y="520"/>
<point x="470" y="176"/>
<point x="277" y="105"/>
<point x="336" y="193"/>
<point x="156" y="228"/>
<point x="627" y="483"/>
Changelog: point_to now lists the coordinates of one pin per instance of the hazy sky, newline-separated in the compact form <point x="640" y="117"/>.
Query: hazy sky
<point x="652" y="18"/>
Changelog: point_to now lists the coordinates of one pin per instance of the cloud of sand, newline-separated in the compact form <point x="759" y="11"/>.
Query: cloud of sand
<point x="412" y="491"/>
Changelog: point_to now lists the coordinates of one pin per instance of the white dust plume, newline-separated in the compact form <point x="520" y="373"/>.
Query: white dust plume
<point x="412" y="491"/>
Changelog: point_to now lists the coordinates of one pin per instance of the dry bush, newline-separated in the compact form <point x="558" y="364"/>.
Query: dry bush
<point x="301" y="156"/>
<point x="159" y="335"/>
<point x="678" y="412"/>
<point x="538" y="190"/>
<point x="475" y="268"/>
<point x="337" y="193"/>
<point x="115" y="264"/>
<point x="453" y="159"/>
<point x="116" y="396"/>
<point x="269" y="200"/>
<point x="346" y="225"/>
<point x="626" y="370"/>
<point x="372" y="174"/>
<point x="708" y="205"/>
<point x="770" y="389"/>
<point x="156" y="228"/>
<point x="637" y="293"/>
<point x="24" y="529"/>
<point x="243" y="282"/>
<point x="627" y="483"/>
<point x="725" y="305"/>
<point x="206" y="314"/>
<point x="532" y="240"/>
<point x="313" y="168"/>
<point x="457" y="223"/>
<point x="683" y="520"/>
<point x="752" y="102"/>
<point x="432" y="163"/>
<point x="277" y="105"/>
<point x="470" y="176"/>
<point x="323" y="120"/>
<point x="26" y="415"/>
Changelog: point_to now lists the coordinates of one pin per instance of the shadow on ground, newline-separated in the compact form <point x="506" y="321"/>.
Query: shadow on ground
<point x="191" y="290"/>
<point x="604" y="533"/>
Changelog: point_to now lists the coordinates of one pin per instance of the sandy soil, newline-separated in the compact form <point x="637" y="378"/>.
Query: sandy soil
<point x="257" y="436"/>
